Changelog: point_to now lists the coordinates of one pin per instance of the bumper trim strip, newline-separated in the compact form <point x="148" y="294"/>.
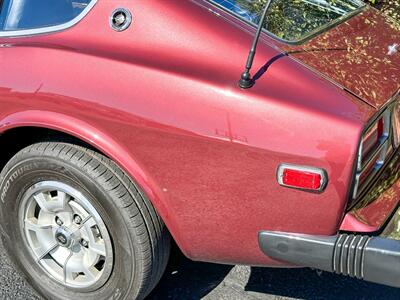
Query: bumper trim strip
<point x="374" y="259"/>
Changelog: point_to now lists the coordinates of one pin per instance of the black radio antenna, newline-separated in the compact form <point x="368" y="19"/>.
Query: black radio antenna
<point x="246" y="81"/>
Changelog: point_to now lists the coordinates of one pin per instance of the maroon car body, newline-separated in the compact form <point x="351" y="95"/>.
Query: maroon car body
<point x="161" y="100"/>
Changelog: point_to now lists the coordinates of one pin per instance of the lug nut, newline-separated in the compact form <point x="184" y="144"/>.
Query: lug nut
<point x="84" y="243"/>
<point x="59" y="222"/>
<point x="77" y="219"/>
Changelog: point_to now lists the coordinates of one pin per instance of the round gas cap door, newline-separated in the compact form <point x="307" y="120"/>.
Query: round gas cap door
<point x="120" y="19"/>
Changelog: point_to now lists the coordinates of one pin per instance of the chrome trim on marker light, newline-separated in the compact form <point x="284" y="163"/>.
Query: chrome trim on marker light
<point x="318" y="171"/>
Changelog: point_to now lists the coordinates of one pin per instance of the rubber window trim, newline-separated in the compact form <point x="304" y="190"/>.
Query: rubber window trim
<point x="48" y="29"/>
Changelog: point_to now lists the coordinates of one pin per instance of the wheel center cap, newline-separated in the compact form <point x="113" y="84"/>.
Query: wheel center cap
<point x="64" y="237"/>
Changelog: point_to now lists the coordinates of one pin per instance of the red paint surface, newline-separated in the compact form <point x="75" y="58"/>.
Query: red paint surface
<point x="161" y="99"/>
<point x="374" y="209"/>
<point x="372" y="217"/>
<point x="355" y="55"/>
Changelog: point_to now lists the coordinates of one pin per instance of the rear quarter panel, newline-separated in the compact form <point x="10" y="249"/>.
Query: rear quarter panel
<point x="161" y="99"/>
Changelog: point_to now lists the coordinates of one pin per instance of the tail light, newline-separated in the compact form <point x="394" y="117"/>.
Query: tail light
<point x="375" y="147"/>
<point x="372" y="138"/>
<point x="396" y="125"/>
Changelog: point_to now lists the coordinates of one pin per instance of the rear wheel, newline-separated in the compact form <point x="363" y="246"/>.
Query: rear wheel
<point x="77" y="226"/>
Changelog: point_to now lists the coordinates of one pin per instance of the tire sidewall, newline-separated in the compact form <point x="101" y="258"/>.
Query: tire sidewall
<point x="17" y="178"/>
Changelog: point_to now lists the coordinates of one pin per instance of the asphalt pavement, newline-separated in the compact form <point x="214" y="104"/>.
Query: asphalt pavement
<point x="185" y="279"/>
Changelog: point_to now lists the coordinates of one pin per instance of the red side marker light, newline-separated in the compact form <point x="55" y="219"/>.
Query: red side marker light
<point x="301" y="177"/>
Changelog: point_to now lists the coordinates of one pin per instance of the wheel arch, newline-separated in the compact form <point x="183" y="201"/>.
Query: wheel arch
<point x="49" y="126"/>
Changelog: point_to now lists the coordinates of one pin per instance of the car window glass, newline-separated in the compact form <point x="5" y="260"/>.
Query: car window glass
<point x="30" y="14"/>
<point x="292" y="20"/>
<point x="1" y="13"/>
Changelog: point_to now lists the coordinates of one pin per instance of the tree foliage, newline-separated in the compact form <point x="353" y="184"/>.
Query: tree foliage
<point x="391" y="8"/>
<point x="293" y="19"/>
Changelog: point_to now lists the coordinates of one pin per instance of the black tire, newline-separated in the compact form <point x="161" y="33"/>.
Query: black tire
<point x="141" y="242"/>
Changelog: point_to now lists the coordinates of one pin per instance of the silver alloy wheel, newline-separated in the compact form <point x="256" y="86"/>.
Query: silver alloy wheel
<point x="66" y="235"/>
